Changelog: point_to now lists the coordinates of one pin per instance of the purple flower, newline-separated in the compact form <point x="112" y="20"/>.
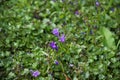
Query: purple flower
<point x="56" y="62"/>
<point x="97" y="3"/>
<point x="62" y="38"/>
<point x="35" y="73"/>
<point x="55" y="32"/>
<point x="77" y="12"/>
<point x="53" y="45"/>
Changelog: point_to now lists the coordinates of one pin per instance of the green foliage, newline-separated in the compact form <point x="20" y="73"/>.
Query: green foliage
<point x="91" y="49"/>
<point x="109" y="40"/>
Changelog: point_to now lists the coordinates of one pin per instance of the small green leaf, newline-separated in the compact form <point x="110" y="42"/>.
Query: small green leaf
<point x="75" y="78"/>
<point x="11" y="75"/>
<point x="26" y="71"/>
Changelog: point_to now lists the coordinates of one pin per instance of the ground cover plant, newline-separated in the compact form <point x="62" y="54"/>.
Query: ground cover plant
<point x="59" y="39"/>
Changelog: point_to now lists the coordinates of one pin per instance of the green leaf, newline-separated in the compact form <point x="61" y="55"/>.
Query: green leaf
<point x="26" y="71"/>
<point x="75" y="78"/>
<point x="11" y="75"/>
<point x="108" y="40"/>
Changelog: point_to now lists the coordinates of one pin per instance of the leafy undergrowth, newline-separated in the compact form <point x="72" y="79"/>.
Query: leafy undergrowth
<point x="59" y="39"/>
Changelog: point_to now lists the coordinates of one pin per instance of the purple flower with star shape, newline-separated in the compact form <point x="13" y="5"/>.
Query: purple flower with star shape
<point x="55" y="32"/>
<point x="35" y="73"/>
<point x="53" y="45"/>
<point x="62" y="38"/>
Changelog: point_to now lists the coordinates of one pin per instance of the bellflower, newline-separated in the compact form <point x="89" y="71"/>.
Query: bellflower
<point x="56" y="62"/>
<point x="55" y="32"/>
<point x="62" y="38"/>
<point x="77" y="12"/>
<point x="97" y="3"/>
<point x="35" y="73"/>
<point x="53" y="45"/>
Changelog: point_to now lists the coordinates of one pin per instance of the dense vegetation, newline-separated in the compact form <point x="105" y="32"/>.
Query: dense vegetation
<point x="59" y="39"/>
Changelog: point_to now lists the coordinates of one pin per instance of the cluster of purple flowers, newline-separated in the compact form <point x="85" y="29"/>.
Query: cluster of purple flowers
<point x="61" y="38"/>
<point x="56" y="33"/>
<point x="53" y="44"/>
